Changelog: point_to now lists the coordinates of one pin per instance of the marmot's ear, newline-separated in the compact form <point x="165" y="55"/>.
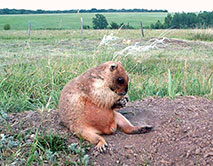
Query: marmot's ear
<point x="113" y="67"/>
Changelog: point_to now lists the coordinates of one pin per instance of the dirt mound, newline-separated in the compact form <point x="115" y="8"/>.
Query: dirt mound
<point x="183" y="133"/>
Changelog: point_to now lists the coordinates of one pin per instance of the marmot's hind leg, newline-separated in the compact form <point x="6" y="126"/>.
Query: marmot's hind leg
<point x="92" y="136"/>
<point x="128" y="128"/>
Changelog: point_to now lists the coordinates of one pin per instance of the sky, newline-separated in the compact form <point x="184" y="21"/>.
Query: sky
<point x="170" y="5"/>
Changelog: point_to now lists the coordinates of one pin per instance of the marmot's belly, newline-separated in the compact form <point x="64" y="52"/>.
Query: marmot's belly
<point x="100" y="118"/>
<point x="108" y="128"/>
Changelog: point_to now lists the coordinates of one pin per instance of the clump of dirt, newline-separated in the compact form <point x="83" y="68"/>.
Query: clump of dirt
<point x="182" y="135"/>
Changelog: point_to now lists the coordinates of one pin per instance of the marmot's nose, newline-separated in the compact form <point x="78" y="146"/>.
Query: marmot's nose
<point x="122" y="93"/>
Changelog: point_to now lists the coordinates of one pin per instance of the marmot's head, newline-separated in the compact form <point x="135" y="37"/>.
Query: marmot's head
<point x="115" y="77"/>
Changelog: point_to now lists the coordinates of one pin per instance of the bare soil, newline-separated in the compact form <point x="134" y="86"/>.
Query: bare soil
<point x="182" y="135"/>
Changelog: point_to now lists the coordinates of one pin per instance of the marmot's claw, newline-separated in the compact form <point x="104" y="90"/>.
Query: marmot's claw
<point x="146" y="129"/>
<point x="142" y="129"/>
<point x="121" y="102"/>
<point x="124" y="100"/>
<point x="102" y="149"/>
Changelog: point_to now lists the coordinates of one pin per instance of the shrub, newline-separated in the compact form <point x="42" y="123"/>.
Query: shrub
<point x="7" y="27"/>
<point x="157" y="25"/>
<point x="114" y="25"/>
<point x="86" y="27"/>
<point x="127" y="26"/>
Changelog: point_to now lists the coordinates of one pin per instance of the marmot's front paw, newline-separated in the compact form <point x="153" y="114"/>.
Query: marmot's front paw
<point x="121" y="102"/>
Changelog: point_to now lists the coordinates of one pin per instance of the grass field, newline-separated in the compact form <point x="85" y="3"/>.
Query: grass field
<point x="72" y="21"/>
<point x="34" y="70"/>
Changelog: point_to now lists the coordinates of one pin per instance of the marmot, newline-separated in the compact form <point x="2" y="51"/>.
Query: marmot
<point x="88" y="102"/>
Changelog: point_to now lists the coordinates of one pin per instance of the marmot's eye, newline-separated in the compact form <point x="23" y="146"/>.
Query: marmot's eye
<point x="120" y="80"/>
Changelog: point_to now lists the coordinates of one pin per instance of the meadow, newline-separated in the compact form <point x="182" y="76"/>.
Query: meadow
<point x="72" y="21"/>
<point x="33" y="71"/>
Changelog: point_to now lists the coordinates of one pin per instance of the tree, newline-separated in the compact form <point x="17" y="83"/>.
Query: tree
<point x="177" y="20"/>
<point x="206" y="19"/>
<point x="186" y="20"/>
<point x="168" y="21"/>
<point x="99" y="22"/>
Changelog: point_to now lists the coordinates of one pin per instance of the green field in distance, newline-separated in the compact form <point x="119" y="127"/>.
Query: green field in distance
<point x="72" y="21"/>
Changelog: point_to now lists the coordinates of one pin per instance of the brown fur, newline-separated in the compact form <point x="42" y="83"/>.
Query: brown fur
<point x="86" y="103"/>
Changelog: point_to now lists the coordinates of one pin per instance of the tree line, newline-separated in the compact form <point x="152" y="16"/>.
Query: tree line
<point x="93" y="10"/>
<point x="185" y="21"/>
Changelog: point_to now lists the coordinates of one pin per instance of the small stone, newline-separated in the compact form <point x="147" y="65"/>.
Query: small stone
<point x="191" y="162"/>
<point x="188" y="153"/>
<point x="173" y="139"/>
<point x="28" y="141"/>
<point x="32" y="136"/>
<point x="203" y="162"/>
<point x="197" y="151"/>
<point x="208" y="154"/>
<point x="127" y="146"/>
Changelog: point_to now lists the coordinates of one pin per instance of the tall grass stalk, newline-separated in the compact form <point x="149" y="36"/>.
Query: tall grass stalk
<point x="34" y="145"/>
<point x="173" y="83"/>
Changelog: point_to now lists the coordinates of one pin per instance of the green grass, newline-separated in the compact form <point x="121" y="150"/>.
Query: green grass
<point x="72" y="21"/>
<point x="45" y="148"/>
<point x="34" y="70"/>
<point x="26" y="144"/>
